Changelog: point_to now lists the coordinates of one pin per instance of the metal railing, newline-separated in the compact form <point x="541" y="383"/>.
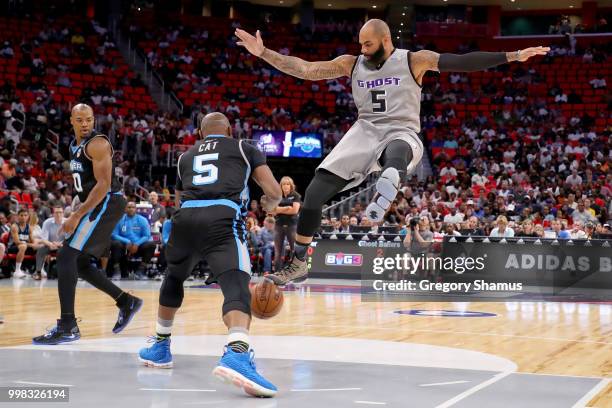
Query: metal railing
<point x="337" y="209"/>
<point x="167" y="96"/>
<point x="53" y="138"/>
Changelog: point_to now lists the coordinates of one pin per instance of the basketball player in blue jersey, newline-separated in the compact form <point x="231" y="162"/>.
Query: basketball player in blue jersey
<point x="213" y="194"/>
<point x="386" y="85"/>
<point x="89" y="228"/>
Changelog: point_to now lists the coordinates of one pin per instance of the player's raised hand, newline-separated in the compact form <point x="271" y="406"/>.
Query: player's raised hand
<point x="254" y="45"/>
<point x="527" y="53"/>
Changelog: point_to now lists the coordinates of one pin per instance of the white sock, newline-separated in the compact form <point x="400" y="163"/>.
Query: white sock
<point x="18" y="267"/>
<point x="163" y="327"/>
<point x="239" y="334"/>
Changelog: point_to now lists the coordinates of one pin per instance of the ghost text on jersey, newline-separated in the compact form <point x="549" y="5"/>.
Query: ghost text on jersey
<point x="207" y="146"/>
<point x="375" y="83"/>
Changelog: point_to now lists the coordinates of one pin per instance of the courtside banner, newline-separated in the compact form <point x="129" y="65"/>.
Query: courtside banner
<point x="476" y="270"/>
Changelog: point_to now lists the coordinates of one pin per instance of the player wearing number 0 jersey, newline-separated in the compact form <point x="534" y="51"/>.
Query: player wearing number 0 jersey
<point x="212" y="192"/>
<point x="89" y="228"/>
<point x="386" y="85"/>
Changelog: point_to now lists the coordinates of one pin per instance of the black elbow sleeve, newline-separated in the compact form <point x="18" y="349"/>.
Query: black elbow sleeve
<point x="473" y="61"/>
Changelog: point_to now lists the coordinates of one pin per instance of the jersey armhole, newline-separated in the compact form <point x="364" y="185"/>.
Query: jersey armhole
<point x="354" y="65"/>
<point x="410" y="69"/>
<point x="246" y="160"/>
<point x="178" y="167"/>
<point x="107" y="141"/>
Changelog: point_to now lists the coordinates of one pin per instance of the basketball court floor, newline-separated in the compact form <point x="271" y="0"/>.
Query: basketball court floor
<point x="326" y="348"/>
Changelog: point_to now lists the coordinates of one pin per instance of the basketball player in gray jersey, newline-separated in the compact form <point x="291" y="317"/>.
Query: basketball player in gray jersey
<point x="386" y="84"/>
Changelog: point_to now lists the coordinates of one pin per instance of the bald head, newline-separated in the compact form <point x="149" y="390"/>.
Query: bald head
<point x="375" y="40"/>
<point x="377" y="28"/>
<point x="215" y="123"/>
<point x="82" y="120"/>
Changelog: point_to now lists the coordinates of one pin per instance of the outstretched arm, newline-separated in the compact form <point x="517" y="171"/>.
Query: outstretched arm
<point x="297" y="67"/>
<point x="425" y="60"/>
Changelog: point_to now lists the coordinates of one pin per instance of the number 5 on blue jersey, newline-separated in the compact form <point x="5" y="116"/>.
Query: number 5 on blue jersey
<point x="208" y="173"/>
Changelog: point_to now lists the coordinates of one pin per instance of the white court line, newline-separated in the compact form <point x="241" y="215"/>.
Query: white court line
<point x="443" y="383"/>
<point x="394" y="329"/>
<point x="591" y="394"/>
<point x="370" y="402"/>
<point x="324" y="389"/>
<point x="474" y="389"/>
<point x="45" y="384"/>
<point x="175" y="389"/>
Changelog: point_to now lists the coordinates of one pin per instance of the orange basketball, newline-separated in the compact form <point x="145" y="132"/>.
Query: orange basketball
<point x="266" y="300"/>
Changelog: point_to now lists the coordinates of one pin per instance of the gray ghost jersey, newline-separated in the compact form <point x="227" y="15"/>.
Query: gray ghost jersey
<point x="389" y="95"/>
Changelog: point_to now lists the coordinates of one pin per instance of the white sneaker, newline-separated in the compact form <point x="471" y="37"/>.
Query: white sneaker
<point x="19" y="274"/>
<point x="116" y="277"/>
<point x="387" y="187"/>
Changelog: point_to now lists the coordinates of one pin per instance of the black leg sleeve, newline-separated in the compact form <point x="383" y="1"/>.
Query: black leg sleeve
<point x="322" y="188"/>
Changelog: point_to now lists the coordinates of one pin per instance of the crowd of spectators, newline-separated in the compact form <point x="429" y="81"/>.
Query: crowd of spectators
<point x="525" y="168"/>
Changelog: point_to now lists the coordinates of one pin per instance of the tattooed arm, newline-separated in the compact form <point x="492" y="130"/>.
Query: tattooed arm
<point x="297" y="67"/>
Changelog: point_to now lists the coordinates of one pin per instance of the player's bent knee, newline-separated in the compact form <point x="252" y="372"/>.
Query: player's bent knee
<point x="171" y="293"/>
<point x="235" y="287"/>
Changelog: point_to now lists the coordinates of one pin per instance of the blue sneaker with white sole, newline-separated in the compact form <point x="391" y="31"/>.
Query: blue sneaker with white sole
<point x="239" y="369"/>
<point x="158" y="355"/>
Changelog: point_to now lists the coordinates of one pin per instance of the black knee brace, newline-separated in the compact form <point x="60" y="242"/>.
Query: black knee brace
<point x="398" y="154"/>
<point x="235" y="287"/>
<point x="171" y="293"/>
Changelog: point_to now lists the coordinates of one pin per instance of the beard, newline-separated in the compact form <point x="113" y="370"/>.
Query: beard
<point x="374" y="60"/>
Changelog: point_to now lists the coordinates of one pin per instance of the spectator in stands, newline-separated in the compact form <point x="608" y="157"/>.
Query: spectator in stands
<point x="574" y="180"/>
<point x="599" y="82"/>
<point x="502" y="230"/>
<point x="557" y="230"/>
<point x="5" y="226"/>
<point x="589" y="230"/>
<point x="420" y="237"/>
<point x="345" y="224"/>
<point x="20" y="241"/>
<point x="528" y="230"/>
<point x="158" y="210"/>
<point x="257" y="212"/>
<point x="392" y="216"/>
<point x="266" y="243"/>
<point x="450" y="230"/>
<point x="471" y="228"/>
<point x="582" y="215"/>
<point x="602" y="232"/>
<point x="538" y="229"/>
<point x="9" y="172"/>
<point x="131" y="237"/>
<point x="286" y="219"/>
<point x="29" y="182"/>
<point x="453" y="217"/>
<point x="577" y="231"/>
<point x="165" y="236"/>
<point x="50" y="240"/>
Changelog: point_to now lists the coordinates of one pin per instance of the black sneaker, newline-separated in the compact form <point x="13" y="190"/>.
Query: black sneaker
<point x="127" y="312"/>
<point x="296" y="271"/>
<point x="58" y="335"/>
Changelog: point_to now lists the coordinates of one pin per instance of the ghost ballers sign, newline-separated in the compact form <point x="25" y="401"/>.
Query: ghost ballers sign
<point x="510" y="270"/>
